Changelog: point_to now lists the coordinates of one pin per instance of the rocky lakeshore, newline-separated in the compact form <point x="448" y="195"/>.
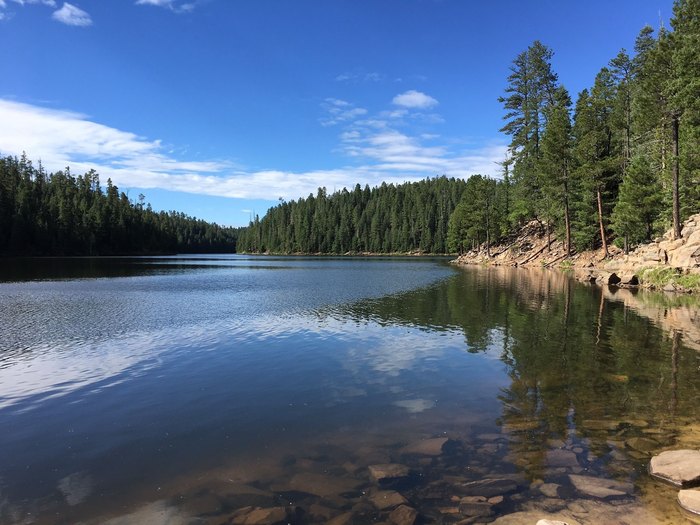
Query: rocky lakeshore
<point x="452" y="479"/>
<point x="665" y="264"/>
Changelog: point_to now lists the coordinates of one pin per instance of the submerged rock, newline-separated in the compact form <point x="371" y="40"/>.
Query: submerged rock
<point x="387" y="499"/>
<point x="425" y="447"/>
<point x="600" y="487"/>
<point x="258" y="516"/>
<point x="690" y="500"/>
<point x="388" y="471"/>
<point x="641" y="444"/>
<point x="475" y="506"/>
<point x="487" y="487"/>
<point x="403" y="515"/>
<point x="561" y="458"/>
<point x="551" y="490"/>
<point x="679" y="467"/>
<point x="343" y="519"/>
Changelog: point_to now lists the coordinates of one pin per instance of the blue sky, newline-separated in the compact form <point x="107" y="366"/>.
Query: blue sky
<point x="220" y="107"/>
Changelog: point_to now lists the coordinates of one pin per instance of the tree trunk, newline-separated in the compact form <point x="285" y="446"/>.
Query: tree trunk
<point x="604" y="241"/>
<point x="567" y="220"/>
<point x="676" y="183"/>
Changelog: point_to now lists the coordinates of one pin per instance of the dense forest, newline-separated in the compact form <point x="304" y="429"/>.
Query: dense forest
<point x="621" y="164"/>
<point x="59" y="214"/>
<point x="386" y="219"/>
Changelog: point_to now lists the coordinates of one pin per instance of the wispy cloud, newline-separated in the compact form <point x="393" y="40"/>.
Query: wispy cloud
<point x="359" y="76"/>
<point x="5" y="15"/>
<point x="374" y="154"/>
<point x="72" y="16"/>
<point x="414" y="99"/>
<point x="338" y="111"/>
<point x="173" y="5"/>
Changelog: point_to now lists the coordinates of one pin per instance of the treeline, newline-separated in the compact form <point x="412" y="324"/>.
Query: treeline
<point x="60" y="214"/>
<point x="621" y="164"/>
<point x="386" y="219"/>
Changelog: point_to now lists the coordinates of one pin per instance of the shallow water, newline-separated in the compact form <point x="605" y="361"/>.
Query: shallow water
<point x="179" y="389"/>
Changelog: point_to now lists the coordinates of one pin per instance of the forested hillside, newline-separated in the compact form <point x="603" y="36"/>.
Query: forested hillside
<point x="59" y="214"/>
<point x="386" y="219"/>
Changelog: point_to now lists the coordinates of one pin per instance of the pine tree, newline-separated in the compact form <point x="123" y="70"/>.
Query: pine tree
<point x="639" y="204"/>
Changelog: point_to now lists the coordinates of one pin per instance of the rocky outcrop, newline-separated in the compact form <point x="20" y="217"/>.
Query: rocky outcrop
<point x="531" y="246"/>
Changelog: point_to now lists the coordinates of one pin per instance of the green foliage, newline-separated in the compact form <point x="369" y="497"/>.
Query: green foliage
<point x="386" y="219"/>
<point x="59" y="214"/>
<point x="660" y="277"/>
<point x="639" y="204"/>
<point x="480" y="216"/>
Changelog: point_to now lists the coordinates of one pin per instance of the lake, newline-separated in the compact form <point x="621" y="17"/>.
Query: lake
<point x="181" y="389"/>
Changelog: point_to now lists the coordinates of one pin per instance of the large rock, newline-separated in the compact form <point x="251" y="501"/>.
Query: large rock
<point x="600" y="487"/>
<point x="690" y="500"/>
<point x="388" y="471"/>
<point x="425" y="447"/>
<point x="486" y="487"/>
<point x="679" y="467"/>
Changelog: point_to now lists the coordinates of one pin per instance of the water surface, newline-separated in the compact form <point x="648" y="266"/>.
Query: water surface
<point x="188" y="387"/>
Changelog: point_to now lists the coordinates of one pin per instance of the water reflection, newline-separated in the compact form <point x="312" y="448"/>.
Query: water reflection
<point x="188" y="394"/>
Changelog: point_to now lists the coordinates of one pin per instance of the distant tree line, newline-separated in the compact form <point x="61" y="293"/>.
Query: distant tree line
<point x="60" y="214"/>
<point x="386" y="219"/>
<point x="622" y="165"/>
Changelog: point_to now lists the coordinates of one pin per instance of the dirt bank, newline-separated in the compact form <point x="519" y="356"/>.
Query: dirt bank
<point x="667" y="264"/>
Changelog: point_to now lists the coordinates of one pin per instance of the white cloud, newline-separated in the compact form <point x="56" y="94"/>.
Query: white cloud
<point x="359" y="76"/>
<point x="50" y="3"/>
<point x="414" y="99"/>
<point x="72" y="16"/>
<point x="375" y="155"/>
<point x="338" y="111"/>
<point x="169" y="4"/>
<point x="7" y="15"/>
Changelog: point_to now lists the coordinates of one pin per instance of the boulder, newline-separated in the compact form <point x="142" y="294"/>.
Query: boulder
<point x="679" y="467"/>
<point x="690" y="500"/>
<point x="600" y="487"/>
<point x="551" y="522"/>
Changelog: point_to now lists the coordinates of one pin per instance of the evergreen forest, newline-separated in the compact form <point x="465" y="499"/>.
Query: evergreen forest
<point x="60" y="214"/>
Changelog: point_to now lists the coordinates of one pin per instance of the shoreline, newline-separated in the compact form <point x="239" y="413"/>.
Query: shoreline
<point x="665" y="264"/>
